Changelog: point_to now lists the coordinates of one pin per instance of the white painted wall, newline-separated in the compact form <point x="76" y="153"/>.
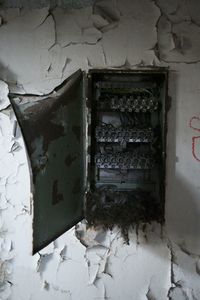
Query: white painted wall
<point x="38" y="50"/>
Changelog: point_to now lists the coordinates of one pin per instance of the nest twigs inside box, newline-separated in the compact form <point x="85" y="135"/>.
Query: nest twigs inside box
<point x="110" y="208"/>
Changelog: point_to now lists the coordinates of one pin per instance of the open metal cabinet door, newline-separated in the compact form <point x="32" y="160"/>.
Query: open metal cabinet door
<point x="53" y="128"/>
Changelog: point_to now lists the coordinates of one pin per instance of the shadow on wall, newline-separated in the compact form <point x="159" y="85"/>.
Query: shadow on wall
<point x="182" y="209"/>
<point x="8" y="76"/>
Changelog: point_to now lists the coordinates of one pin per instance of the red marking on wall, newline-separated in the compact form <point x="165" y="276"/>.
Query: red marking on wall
<point x="195" y="125"/>
<point x="196" y="147"/>
<point x="192" y="124"/>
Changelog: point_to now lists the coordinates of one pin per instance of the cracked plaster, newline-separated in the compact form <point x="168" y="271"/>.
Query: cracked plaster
<point x="178" y="42"/>
<point x="4" y="100"/>
<point x="83" y="38"/>
<point x="156" y="265"/>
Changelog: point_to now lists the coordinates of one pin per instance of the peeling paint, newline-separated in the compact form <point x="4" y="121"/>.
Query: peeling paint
<point x="4" y="100"/>
<point x="39" y="49"/>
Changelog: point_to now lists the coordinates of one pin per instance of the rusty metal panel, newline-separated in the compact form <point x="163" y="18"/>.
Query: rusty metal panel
<point x="53" y="131"/>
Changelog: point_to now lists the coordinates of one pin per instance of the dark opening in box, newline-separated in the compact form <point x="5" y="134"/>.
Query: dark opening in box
<point x="127" y="159"/>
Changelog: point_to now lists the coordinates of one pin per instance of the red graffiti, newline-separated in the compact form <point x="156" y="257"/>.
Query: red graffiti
<point x="195" y="125"/>
<point x="195" y="144"/>
<point x="192" y="123"/>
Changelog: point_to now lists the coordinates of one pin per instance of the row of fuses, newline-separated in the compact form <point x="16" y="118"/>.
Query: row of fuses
<point x="124" y="85"/>
<point x="124" y="160"/>
<point x="106" y="133"/>
<point x="129" y="104"/>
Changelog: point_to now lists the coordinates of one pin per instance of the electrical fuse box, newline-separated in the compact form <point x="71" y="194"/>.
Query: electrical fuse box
<point x="96" y="147"/>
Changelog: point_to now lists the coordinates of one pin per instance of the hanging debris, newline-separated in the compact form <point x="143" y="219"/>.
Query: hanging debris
<point x="110" y="208"/>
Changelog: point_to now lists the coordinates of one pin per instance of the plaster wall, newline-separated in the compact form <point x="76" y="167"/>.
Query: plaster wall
<point x="39" y="48"/>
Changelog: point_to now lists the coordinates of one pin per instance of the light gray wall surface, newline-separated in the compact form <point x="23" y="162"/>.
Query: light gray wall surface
<point x="39" y="48"/>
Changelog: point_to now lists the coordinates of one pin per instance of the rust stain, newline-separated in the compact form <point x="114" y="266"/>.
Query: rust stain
<point x="69" y="160"/>
<point x="77" y="131"/>
<point x="56" y="196"/>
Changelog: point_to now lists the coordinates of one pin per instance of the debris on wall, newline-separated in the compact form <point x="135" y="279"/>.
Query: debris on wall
<point x="109" y="208"/>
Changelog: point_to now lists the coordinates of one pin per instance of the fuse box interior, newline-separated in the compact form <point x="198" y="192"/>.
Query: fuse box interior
<point x="128" y="128"/>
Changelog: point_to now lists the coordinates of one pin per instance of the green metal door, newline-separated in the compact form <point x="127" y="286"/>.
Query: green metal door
<point x="54" y="133"/>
